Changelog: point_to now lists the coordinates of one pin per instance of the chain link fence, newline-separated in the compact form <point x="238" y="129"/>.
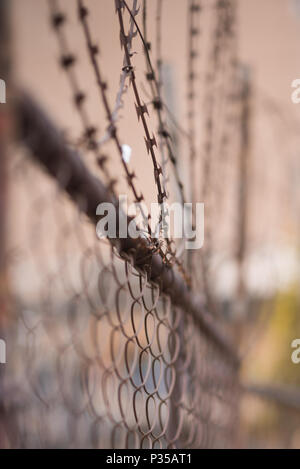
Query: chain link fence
<point x="99" y="355"/>
<point x="128" y="343"/>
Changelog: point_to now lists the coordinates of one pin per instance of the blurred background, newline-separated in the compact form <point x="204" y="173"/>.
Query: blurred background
<point x="220" y="107"/>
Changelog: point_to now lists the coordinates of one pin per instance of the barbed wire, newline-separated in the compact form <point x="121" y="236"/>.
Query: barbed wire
<point x="158" y="105"/>
<point x="194" y="32"/>
<point x="147" y="44"/>
<point x="141" y="109"/>
<point x="67" y="62"/>
<point x="112" y="348"/>
<point x="221" y="29"/>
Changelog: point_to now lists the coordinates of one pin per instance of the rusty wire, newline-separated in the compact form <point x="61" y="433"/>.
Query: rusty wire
<point x="67" y="61"/>
<point x="157" y="101"/>
<point x="164" y="136"/>
<point x="141" y="107"/>
<point x="141" y="110"/>
<point x="149" y="75"/>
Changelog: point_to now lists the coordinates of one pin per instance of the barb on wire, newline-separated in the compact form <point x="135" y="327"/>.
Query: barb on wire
<point x="184" y="133"/>
<point x="159" y="41"/>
